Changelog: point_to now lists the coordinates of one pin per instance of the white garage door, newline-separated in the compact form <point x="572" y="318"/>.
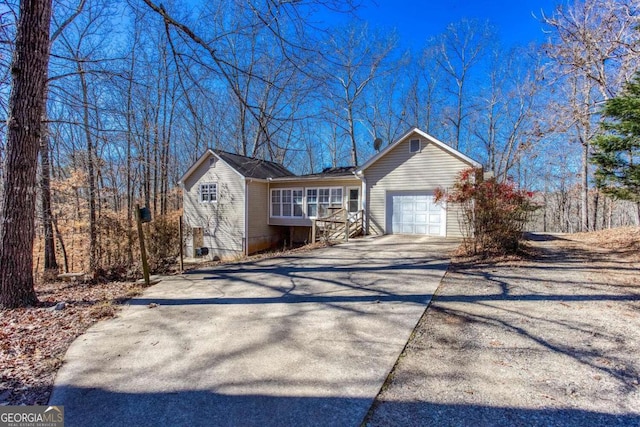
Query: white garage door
<point x="416" y="214"/>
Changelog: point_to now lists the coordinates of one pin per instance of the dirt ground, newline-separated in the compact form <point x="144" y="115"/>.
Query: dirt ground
<point x="34" y="340"/>
<point x="553" y="340"/>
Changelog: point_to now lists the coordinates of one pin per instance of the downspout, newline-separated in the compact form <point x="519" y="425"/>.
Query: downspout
<point x="245" y="240"/>
<point x="269" y="200"/>
<point x="363" y="198"/>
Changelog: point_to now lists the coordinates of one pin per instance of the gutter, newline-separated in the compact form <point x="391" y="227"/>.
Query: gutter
<point x="311" y="178"/>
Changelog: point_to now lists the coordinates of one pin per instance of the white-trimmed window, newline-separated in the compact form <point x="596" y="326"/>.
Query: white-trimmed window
<point x="286" y="202"/>
<point x="312" y="202"/>
<point x="321" y="200"/>
<point x="209" y="192"/>
<point x="414" y="145"/>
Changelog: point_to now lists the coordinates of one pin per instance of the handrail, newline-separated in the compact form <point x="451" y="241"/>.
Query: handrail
<point x="339" y="225"/>
<point x="337" y="216"/>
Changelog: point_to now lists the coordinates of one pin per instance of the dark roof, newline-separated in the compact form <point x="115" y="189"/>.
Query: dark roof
<point x="253" y="168"/>
<point x="334" y="171"/>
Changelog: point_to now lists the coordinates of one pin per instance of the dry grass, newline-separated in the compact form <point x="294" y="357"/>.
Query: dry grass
<point x="623" y="241"/>
<point x="33" y="340"/>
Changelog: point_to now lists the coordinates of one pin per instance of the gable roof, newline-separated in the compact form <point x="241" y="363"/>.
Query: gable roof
<point x="250" y="167"/>
<point x="429" y="138"/>
<point x="247" y="167"/>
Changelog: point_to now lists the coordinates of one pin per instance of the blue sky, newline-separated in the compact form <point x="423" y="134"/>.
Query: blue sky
<point x="418" y="20"/>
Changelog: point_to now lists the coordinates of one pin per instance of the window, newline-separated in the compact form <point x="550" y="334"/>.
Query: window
<point x="415" y="145"/>
<point x="297" y="203"/>
<point x="276" y="205"/>
<point x="336" y="197"/>
<point x="354" y="200"/>
<point x="209" y="192"/>
<point x="321" y="200"/>
<point x="286" y="202"/>
<point x="312" y="202"/>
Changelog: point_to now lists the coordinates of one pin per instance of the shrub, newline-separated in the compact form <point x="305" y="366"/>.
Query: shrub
<point x="494" y="213"/>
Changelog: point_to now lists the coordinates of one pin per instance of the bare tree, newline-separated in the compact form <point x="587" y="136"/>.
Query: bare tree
<point x="284" y="24"/>
<point x="458" y="51"/>
<point x="50" y="262"/>
<point x="594" y="48"/>
<point x="383" y="116"/>
<point x="504" y="121"/>
<point x="26" y="106"/>
<point x="354" y="58"/>
<point x="423" y="94"/>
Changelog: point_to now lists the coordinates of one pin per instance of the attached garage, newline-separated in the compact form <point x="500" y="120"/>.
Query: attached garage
<point x="415" y="213"/>
<point x="399" y="185"/>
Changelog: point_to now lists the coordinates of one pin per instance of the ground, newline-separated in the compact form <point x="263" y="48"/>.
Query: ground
<point x="298" y="339"/>
<point x="552" y="340"/>
<point x="33" y="340"/>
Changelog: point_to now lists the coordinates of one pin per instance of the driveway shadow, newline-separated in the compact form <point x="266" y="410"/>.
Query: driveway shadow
<point x="433" y="414"/>
<point x="204" y="408"/>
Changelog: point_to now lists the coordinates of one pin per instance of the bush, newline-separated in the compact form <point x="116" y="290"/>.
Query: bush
<point x="163" y="242"/>
<point x="493" y="213"/>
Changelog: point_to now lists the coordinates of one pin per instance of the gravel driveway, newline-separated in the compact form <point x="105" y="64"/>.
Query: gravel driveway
<point x="551" y="342"/>
<point x="303" y="339"/>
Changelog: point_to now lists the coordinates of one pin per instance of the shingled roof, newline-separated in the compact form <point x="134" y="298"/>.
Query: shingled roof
<point x="337" y="171"/>
<point x="253" y="168"/>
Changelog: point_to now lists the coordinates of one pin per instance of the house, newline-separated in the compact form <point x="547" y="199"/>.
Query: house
<point x="236" y="205"/>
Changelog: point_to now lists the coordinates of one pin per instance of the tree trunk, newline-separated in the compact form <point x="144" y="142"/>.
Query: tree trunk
<point x="352" y="136"/>
<point x="93" y="233"/>
<point x="594" y="214"/>
<point x="26" y="107"/>
<point x="584" y="194"/>
<point x="63" y="249"/>
<point x="129" y="158"/>
<point x="50" y="262"/>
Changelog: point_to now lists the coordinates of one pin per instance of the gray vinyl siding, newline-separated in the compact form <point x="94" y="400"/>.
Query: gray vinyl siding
<point x="400" y="170"/>
<point x="260" y="234"/>
<point x="223" y="221"/>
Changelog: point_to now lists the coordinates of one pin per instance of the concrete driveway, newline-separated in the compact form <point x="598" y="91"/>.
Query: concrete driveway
<point x="302" y="339"/>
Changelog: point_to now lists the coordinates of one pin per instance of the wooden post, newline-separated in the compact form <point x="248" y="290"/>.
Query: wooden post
<point x="290" y="237"/>
<point x="313" y="231"/>
<point x="181" y="243"/>
<point x="346" y="226"/>
<point x="143" y="250"/>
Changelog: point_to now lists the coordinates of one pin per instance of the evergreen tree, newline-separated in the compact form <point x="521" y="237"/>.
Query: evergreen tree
<point x="617" y="151"/>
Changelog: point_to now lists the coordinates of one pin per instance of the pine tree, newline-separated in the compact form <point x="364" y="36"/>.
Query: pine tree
<point x="617" y="152"/>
